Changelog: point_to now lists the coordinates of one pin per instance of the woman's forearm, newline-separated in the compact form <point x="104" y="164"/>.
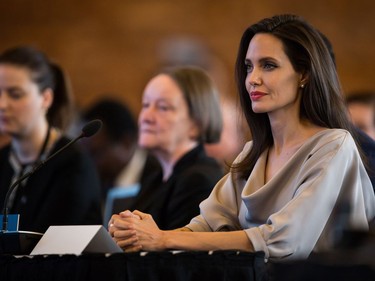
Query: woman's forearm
<point x="138" y="231"/>
<point x="206" y="241"/>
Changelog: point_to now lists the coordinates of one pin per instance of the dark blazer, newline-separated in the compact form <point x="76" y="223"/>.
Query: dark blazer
<point x="175" y="202"/>
<point x="367" y="145"/>
<point x="65" y="191"/>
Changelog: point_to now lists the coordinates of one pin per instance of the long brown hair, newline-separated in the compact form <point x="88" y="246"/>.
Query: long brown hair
<point x="322" y="101"/>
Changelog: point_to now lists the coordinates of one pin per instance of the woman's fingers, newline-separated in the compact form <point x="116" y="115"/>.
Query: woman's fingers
<point x="126" y="214"/>
<point x="140" y="214"/>
<point x="126" y="242"/>
<point x="119" y="227"/>
<point x="135" y="231"/>
<point x="132" y="249"/>
<point x="123" y="234"/>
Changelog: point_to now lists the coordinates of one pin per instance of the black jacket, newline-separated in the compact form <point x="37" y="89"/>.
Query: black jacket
<point x="175" y="202"/>
<point x="367" y="145"/>
<point x="65" y="191"/>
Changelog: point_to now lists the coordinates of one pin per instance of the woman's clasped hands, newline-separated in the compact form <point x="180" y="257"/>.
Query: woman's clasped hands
<point x="135" y="231"/>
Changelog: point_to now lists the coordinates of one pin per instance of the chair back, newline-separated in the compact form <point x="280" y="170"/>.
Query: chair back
<point x="119" y="199"/>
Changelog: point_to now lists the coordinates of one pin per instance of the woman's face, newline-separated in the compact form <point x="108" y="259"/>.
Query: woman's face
<point x="271" y="82"/>
<point x="22" y="105"/>
<point x="164" y="121"/>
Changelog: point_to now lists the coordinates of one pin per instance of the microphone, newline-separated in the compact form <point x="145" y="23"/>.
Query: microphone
<point x="88" y="130"/>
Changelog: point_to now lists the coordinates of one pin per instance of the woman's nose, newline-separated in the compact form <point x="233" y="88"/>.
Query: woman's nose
<point x="3" y="100"/>
<point x="146" y="114"/>
<point x="254" y="78"/>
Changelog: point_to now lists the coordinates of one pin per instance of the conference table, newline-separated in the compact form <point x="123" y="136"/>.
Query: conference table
<point x="218" y="265"/>
<point x="353" y="259"/>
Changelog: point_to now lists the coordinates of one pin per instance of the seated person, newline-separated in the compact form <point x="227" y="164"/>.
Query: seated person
<point x="180" y="112"/>
<point x="365" y="143"/>
<point x="114" y="149"/>
<point x="367" y="146"/>
<point x="361" y="107"/>
<point x="4" y="139"/>
<point x="34" y="106"/>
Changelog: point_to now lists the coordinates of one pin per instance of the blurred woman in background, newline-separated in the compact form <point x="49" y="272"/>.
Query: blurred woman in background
<point x="180" y="112"/>
<point x="35" y="105"/>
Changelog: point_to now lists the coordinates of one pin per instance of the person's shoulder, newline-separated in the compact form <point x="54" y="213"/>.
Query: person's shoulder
<point x="365" y="141"/>
<point x="4" y="155"/>
<point x="246" y="149"/>
<point x="74" y="152"/>
<point x="196" y="160"/>
<point x="206" y="160"/>
<point x="204" y="165"/>
<point x="332" y="135"/>
<point x="74" y="158"/>
<point x="64" y="140"/>
<point x="4" y="150"/>
<point x="330" y="141"/>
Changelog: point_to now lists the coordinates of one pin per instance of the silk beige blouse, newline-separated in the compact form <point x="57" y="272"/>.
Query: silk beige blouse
<point x="298" y="210"/>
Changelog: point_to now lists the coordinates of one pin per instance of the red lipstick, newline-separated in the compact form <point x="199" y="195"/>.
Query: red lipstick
<point x="256" y="95"/>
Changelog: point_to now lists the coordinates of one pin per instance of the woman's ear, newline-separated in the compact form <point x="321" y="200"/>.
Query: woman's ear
<point x="194" y="131"/>
<point x="47" y="98"/>
<point x="304" y="79"/>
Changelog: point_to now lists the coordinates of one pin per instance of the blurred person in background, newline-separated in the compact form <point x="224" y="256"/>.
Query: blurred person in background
<point x="115" y="149"/>
<point x="180" y="113"/>
<point x="35" y="104"/>
<point x="365" y="143"/>
<point x="364" y="101"/>
<point x="181" y="50"/>
<point x="361" y="106"/>
<point x="4" y="139"/>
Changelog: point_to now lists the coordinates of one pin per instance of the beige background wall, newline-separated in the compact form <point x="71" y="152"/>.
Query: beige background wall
<point x="113" y="46"/>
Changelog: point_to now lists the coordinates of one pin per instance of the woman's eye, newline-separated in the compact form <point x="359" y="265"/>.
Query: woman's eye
<point x="164" y="107"/>
<point x="15" y="94"/>
<point x="249" y="68"/>
<point x="269" y="66"/>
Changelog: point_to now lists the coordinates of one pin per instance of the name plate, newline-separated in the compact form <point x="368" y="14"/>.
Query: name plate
<point x="76" y="239"/>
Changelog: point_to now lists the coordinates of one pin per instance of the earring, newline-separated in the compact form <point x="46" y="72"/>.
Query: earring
<point x="302" y="86"/>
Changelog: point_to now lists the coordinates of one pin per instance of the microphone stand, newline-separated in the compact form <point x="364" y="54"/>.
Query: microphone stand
<point x="25" y="176"/>
<point x="26" y="239"/>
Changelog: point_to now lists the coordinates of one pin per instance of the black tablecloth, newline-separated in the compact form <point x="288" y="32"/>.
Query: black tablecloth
<point x="353" y="259"/>
<point x="345" y="263"/>
<point x="220" y="265"/>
